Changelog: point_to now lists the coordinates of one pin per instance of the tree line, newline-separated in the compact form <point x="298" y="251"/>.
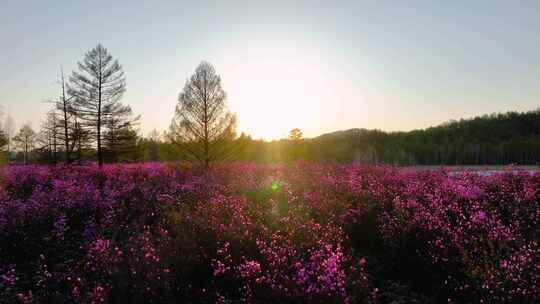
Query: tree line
<point x="495" y="139"/>
<point x="86" y="118"/>
<point x="88" y="121"/>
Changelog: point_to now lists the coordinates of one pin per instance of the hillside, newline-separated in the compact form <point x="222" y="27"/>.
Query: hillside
<point x="503" y="138"/>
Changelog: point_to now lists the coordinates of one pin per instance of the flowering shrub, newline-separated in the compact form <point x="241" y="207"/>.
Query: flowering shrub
<point x="297" y="233"/>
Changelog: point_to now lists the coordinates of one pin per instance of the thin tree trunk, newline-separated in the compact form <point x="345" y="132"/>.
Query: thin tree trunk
<point x="65" y="110"/>
<point x="25" y="151"/>
<point x="206" y="143"/>
<point x="100" y="156"/>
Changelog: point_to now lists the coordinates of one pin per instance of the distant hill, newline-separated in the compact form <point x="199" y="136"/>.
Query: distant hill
<point x="344" y="133"/>
<point x="503" y="138"/>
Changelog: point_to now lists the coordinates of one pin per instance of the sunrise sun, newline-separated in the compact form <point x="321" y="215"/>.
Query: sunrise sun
<point x="285" y="94"/>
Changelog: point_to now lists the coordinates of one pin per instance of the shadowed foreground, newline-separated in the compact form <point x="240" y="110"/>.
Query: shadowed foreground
<point x="267" y="233"/>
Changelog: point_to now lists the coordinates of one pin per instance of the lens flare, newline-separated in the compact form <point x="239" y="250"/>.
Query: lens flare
<point x="274" y="186"/>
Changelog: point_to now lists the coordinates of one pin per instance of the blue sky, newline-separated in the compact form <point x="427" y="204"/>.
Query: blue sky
<point x="317" y="65"/>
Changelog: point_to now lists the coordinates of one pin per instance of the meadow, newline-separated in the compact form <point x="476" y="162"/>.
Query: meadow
<point x="252" y="233"/>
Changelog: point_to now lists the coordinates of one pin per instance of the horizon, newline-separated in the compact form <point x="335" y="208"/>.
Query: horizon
<point x="321" y="68"/>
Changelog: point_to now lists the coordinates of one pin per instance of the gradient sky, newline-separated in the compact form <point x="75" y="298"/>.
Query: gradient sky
<point x="317" y="65"/>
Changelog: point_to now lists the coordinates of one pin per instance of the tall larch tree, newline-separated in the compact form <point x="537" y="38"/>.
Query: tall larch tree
<point x="202" y="125"/>
<point x="97" y="88"/>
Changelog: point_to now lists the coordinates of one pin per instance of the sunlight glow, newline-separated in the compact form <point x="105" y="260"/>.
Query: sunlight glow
<point x="274" y="94"/>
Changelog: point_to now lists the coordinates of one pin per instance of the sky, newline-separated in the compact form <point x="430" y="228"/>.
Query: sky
<point x="320" y="66"/>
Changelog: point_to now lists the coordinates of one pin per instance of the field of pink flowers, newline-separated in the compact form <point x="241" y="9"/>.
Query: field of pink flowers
<point x="299" y="233"/>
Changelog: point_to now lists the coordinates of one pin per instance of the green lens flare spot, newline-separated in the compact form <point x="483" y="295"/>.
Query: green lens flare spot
<point x="274" y="186"/>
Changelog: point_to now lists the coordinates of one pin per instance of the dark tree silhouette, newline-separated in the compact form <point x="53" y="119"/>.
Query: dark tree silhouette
<point x="80" y="138"/>
<point x="3" y="139"/>
<point x="65" y="109"/>
<point x="25" y="139"/>
<point x="97" y="89"/>
<point x="3" y="143"/>
<point x="121" y="137"/>
<point x="9" y="128"/>
<point x="202" y="125"/>
<point x="295" y="134"/>
<point x="49" y="136"/>
<point x="3" y="136"/>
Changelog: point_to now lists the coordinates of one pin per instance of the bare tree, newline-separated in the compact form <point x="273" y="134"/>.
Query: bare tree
<point x="80" y="138"/>
<point x="25" y="140"/>
<point x="50" y="135"/>
<point x="9" y="128"/>
<point x="66" y="111"/>
<point x="202" y="125"/>
<point x="97" y="89"/>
